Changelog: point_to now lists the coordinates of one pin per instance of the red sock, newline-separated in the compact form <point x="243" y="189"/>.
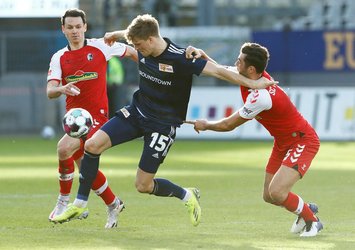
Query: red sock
<point x="66" y="175"/>
<point x="101" y="188"/>
<point x="295" y="204"/>
<point x="307" y="214"/>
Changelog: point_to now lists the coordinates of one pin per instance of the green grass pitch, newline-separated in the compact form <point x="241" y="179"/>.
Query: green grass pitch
<point x="229" y="174"/>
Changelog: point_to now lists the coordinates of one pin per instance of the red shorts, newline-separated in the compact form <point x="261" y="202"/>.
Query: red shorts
<point x="297" y="152"/>
<point x="98" y="121"/>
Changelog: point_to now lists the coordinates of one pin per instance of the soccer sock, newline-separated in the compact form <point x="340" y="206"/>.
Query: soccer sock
<point x="80" y="203"/>
<point x="101" y="188"/>
<point x="307" y="214"/>
<point x="295" y="204"/>
<point x="187" y="195"/>
<point x="66" y="175"/>
<point x="88" y="171"/>
<point x="163" y="187"/>
<point x="114" y="204"/>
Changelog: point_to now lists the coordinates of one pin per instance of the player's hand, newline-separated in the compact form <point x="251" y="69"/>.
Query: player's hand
<point x="110" y="38"/>
<point x="199" y="125"/>
<point x="70" y="89"/>
<point x="263" y="83"/>
<point x="193" y="53"/>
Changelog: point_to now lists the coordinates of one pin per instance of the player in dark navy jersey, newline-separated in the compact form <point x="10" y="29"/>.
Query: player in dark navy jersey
<point x="159" y="106"/>
<point x="165" y="84"/>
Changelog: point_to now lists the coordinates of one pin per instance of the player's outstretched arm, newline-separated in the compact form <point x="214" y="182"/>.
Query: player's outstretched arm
<point x="229" y="74"/>
<point x="233" y="76"/>
<point x="223" y="125"/>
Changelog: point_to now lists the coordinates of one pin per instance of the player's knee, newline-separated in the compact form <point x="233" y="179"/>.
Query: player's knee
<point x="142" y="188"/>
<point x="92" y="146"/>
<point x="64" y="150"/>
<point x="267" y="198"/>
<point x="276" y="194"/>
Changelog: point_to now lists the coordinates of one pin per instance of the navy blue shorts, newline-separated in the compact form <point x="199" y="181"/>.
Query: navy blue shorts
<point x="129" y="124"/>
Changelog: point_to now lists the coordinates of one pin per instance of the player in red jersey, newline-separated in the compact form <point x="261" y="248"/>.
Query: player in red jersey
<point x="295" y="141"/>
<point x="79" y="72"/>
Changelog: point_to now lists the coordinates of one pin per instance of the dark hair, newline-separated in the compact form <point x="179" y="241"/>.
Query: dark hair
<point x="142" y="27"/>
<point x="74" y="13"/>
<point x="256" y="55"/>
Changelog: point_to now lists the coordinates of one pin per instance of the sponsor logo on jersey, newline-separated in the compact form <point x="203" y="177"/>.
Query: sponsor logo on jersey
<point x="142" y="60"/>
<point x="81" y="76"/>
<point x="154" y="79"/>
<point x="90" y="57"/>
<point x="272" y="90"/>
<point x="125" y="112"/>
<point x="166" y="68"/>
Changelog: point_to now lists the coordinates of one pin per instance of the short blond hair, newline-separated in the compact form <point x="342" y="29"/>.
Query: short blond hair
<point x="142" y="27"/>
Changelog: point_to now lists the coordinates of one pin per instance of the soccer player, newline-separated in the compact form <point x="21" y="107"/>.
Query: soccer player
<point x="78" y="71"/>
<point x="295" y="141"/>
<point x="159" y="106"/>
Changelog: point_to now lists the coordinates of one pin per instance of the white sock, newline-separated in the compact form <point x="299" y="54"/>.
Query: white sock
<point x="80" y="203"/>
<point x="187" y="195"/>
<point x="64" y="197"/>
<point x="114" y="204"/>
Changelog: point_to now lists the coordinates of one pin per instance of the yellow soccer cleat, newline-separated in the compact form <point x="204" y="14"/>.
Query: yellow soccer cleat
<point x="193" y="206"/>
<point x="71" y="213"/>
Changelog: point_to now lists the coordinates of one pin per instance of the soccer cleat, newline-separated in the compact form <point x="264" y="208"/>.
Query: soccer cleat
<point x="59" y="208"/>
<point x="299" y="223"/>
<point x="193" y="206"/>
<point x="112" y="215"/>
<point x="312" y="228"/>
<point x="72" y="212"/>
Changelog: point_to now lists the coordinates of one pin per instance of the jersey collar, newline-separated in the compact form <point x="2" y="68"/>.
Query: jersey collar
<point x="85" y="43"/>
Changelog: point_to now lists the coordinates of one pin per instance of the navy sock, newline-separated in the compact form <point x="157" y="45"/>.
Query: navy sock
<point x="163" y="187"/>
<point x="88" y="171"/>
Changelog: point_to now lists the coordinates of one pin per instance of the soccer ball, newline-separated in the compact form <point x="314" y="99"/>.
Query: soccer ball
<point x="77" y="122"/>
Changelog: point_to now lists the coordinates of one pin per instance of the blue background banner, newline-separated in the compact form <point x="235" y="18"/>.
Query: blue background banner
<point x="309" y="51"/>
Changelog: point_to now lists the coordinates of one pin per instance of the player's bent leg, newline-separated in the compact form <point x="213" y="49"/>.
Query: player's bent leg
<point x="145" y="183"/>
<point x="65" y="148"/>
<point x="282" y="183"/>
<point x="114" y="205"/>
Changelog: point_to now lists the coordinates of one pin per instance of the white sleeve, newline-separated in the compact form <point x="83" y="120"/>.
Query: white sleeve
<point x="117" y="49"/>
<point x="55" y="71"/>
<point x="257" y="101"/>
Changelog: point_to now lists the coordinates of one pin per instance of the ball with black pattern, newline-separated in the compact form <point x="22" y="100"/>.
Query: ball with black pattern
<point x="77" y="122"/>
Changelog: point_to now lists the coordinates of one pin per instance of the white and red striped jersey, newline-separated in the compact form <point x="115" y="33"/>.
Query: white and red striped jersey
<point x="86" y="67"/>
<point x="273" y="109"/>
